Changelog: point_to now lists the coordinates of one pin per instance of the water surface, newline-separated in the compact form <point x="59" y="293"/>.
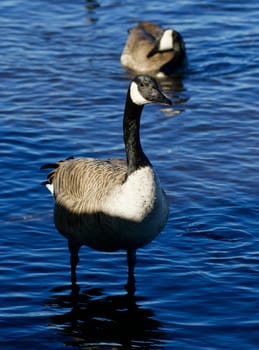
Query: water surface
<point x="62" y="94"/>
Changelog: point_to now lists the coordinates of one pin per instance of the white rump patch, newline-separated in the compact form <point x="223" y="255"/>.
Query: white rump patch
<point x="166" y="41"/>
<point x="136" y="96"/>
<point x="50" y="188"/>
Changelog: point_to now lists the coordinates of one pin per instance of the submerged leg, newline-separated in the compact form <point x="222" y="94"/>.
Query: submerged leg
<point x="74" y="260"/>
<point x="131" y="258"/>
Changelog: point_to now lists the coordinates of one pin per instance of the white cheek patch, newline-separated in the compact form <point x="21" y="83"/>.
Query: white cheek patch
<point x="166" y="41"/>
<point x="136" y="96"/>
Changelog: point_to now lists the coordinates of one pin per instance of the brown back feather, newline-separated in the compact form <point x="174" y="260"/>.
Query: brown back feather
<point x="82" y="184"/>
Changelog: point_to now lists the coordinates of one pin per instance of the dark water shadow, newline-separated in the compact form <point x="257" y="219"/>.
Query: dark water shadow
<point x="91" y="320"/>
<point x="173" y="83"/>
<point x="91" y="6"/>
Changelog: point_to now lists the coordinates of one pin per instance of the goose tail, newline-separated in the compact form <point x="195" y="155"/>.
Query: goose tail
<point x="49" y="166"/>
<point x="49" y="182"/>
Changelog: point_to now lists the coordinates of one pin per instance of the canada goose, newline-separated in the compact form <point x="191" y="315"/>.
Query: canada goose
<point x="112" y="204"/>
<point x="151" y="49"/>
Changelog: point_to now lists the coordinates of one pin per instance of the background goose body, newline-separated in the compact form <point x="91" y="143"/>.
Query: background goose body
<point x="151" y="49"/>
<point x="112" y="204"/>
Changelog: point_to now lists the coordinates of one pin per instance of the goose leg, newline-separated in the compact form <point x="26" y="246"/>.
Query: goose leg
<point x="74" y="260"/>
<point x="131" y="259"/>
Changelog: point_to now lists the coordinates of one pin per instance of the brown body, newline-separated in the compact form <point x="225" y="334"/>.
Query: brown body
<point x="89" y="200"/>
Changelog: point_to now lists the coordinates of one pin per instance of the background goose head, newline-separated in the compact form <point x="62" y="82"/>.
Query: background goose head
<point x="170" y="40"/>
<point x="144" y="89"/>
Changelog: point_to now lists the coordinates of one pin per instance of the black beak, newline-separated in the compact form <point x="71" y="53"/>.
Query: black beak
<point x="159" y="97"/>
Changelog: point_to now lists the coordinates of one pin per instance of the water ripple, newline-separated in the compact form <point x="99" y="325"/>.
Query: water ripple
<point x="63" y="93"/>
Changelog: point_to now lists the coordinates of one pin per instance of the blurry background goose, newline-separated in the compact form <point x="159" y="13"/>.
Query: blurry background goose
<point x="154" y="50"/>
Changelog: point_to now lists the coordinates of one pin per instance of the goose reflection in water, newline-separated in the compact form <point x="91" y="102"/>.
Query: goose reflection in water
<point x="93" y="320"/>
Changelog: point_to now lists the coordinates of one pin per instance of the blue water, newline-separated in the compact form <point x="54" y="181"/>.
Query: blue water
<point x="62" y="94"/>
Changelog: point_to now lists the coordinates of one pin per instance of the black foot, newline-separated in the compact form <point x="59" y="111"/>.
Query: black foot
<point x="130" y="288"/>
<point x="75" y="290"/>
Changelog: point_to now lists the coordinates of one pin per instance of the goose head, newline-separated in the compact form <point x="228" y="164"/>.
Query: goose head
<point x="170" y="40"/>
<point x="144" y="89"/>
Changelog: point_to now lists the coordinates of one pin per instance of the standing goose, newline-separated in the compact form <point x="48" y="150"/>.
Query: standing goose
<point x="151" y="49"/>
<point x="112" y="204"/>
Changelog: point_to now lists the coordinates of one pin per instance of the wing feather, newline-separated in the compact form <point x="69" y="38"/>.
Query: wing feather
<point x="82" y="184"/>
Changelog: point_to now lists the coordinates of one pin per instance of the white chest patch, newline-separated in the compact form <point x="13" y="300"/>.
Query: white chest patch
<point x="135" y="199"/>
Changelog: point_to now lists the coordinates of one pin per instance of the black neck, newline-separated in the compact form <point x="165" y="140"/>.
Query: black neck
<point x="136" y="158"/>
